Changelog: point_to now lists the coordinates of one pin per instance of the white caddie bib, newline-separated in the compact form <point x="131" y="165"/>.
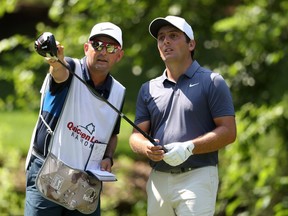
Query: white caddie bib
<point x="80" y="137"/>
<point x="85" y="121"/>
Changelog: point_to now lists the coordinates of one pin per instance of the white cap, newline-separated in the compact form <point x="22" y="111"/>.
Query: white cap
<point x="109" y="29"/>
<point x="178" y="22"/>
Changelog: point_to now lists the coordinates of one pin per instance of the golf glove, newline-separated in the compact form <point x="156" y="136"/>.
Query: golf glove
<point x="178" y="152"/>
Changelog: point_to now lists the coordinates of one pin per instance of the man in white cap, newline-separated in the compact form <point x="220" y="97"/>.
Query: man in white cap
<point x="188" y="110"/>
<point x="73" y="121"/>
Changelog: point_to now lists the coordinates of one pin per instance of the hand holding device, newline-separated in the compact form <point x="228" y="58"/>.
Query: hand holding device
<point x="45" y="45"/>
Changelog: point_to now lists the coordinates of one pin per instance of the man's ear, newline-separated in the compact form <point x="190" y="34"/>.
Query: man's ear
<point x="86" y="47"/>
<point x="120" y="55"/>
<point x="192" y="45"/>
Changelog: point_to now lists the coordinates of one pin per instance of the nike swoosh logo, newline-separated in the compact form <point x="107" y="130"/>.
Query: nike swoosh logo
<point x="194" y="84"/>
<point x="103" y="29"/>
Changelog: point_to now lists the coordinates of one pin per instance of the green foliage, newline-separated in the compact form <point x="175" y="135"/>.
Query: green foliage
<point x="16" y="130"/>
<point x="17" y="74"/>
<point x="255" y="177"/>
<point x="245" y="41"/>
<point x="7" y="6"/>
<point x="255" y="37"/>
<point x="11" y="199"/>
<point x="131" y="196"/>
<point x="253" y="163"/>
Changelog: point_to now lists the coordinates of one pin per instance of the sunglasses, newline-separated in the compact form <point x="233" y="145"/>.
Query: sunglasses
<point x="99" y="45"/>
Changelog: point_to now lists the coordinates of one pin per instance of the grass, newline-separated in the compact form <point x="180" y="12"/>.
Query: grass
<point x="123" y="144"/>
<point x="16" y="130"/>
<point x="15" y="133"/>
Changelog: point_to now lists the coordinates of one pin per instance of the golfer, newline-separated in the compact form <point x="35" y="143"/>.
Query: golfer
<point x="189" y="111"/>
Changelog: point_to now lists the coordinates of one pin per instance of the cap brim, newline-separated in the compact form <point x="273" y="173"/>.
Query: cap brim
<point x="156" y="24"/>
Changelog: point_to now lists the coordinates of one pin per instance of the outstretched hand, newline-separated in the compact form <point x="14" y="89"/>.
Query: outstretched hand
<point x="60" y="55"/>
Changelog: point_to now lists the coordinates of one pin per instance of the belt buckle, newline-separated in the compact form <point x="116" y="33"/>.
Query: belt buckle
<point x="176" y="171"/>
<point x="181" y="170"/>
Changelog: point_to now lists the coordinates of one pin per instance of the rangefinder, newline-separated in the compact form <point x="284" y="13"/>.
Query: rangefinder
<point x="45" y="45"/>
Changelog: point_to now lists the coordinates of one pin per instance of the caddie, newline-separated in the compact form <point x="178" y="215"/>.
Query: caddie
<point x="74" y="124"/>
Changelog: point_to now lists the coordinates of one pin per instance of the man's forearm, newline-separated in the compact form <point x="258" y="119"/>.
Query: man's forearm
<point x="111" y="147"/>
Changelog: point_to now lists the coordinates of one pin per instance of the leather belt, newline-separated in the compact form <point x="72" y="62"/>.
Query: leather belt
<point x="179" y="170"/>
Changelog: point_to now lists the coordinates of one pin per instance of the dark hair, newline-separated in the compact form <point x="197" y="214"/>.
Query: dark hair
<point x="188" y="40"/>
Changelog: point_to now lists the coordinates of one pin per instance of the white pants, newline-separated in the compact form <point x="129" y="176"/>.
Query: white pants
<point x="192" y="193"/>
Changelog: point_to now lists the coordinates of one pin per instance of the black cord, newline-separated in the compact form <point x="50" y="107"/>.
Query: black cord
<point x="122" y="115"/>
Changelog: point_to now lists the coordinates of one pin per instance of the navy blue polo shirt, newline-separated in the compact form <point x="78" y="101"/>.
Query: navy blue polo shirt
<point x="184" y="110"/>
<point x="54" y="100"/>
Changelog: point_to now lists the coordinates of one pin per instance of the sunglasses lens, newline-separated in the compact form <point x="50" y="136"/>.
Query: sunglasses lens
<point x="110" y="48"/>
<point x="98" y="45"/>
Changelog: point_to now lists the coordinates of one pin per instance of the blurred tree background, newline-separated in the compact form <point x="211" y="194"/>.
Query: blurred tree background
<point x="244" y="40"/>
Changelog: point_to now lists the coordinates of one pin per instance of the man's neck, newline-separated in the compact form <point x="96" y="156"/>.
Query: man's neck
<point x="175" y="70"/>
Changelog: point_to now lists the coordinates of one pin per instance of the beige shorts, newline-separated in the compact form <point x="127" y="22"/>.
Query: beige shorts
<point x="186" y="194"/>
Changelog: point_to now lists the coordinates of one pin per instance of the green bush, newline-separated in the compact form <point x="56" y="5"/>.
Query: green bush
<point x="12" y="179"/>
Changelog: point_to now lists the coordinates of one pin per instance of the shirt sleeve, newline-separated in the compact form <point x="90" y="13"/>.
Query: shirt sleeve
<point x="219" y="97"/>
<point x="142" y="113"/>
<point x="58" y="87"/>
